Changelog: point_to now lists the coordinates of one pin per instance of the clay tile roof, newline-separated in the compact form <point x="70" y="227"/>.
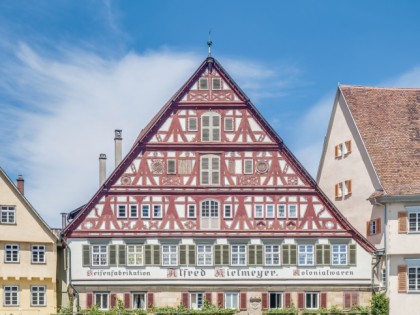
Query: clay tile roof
<point x="388" y="120"/>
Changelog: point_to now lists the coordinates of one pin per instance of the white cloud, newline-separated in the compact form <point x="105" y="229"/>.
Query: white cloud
<point x="409" y="79"/>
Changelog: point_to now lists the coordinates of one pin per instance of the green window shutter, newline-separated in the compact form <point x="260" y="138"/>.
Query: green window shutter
<point x="285" y="255"/>
<point x="191" y="255"/>
<point x="182" y="255"/>
<point x="86" y="255"/>
<point x="112" y="255"/>
<point x="352" y="254"/>
<point x="156" y="254"/>
<point x="121" y="255"/>
<point x="148" y="254"/>
<point x="259" y="254"/>
<point x="293" y="253"/>
<point x="319" y="253"/>
<point x="217" y="254"/>
<point x="226" y="255"/>
<point x="327" y="254"/>
<point x="251" y="254"/>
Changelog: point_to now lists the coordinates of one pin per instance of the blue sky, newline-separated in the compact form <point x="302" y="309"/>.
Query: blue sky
<point x="73" y="71"/>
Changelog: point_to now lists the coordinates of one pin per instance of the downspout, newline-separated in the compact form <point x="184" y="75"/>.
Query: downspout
<point x="376" y="202"/>
<point x="75" y="292"/>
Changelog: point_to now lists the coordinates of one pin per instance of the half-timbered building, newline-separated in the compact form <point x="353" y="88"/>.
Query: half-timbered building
<point x="209" y="204"/>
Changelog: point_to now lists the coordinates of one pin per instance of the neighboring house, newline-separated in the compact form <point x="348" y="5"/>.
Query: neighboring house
<point x="370" y="168"/>
<point x="210" y="204"/>
<point x="28" y="254"/>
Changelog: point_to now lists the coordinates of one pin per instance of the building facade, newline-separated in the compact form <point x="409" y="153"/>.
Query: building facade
<point x="369" y="169"/>
<point x="209" y="204"/>
<point x="28" y="255"/>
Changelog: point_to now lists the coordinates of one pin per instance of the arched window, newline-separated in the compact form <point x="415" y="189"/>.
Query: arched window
<point x="210" y="169"/>
<point x="210" y="215"/>
<point x="210" y="127"/>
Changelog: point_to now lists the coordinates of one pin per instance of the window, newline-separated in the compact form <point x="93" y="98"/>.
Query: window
<point x="270" y="211"/>
<point x="414" y="279"/>
<point x="231" y="300"/>
<point x="38" y="254"/>
<point x="306" y="255"/>
<point x="99" y="255"/>
<point x="145" y="211"/>
<point x="238" y="255"/>
<point x="217" y="84"/>
<point x="414" y="221"/>
<point x="139" y="301"/>
<point x="191" y="211"/>
<point x="228" y="211"/>
<point x="170" y="255"/>
<point x="134" y="255"/>
<point x="339" y="254"/>
<point x="101" y="300"/>
<point x="11" y="295"/>
<point x="347" y="147"/>
<point x="383" y="276"/>
<point x="196" y="301"/>
<point x="171" y="167"/>
<point x="347" y="187"/>
<point x="292" y="211"/>
<point x="203" y="84"/>
<point x="311" y="300"/>
<point x="7" y="214"/>
<point x="11" y="253"/>
<point x="157" y="211"/>
<point x="210" y="170"/>
<point x="259" y="211"/>
<point x="281" y="211"/>
<point x="372" y="227"/>
<point x="204" y="255"/>
<point x="210" y="127"/>
<point x="210" y="214"/>
<point x="122" y="211"/>
<point x="272" y="255"/>
<point x="248" y="167"/>
<point x="192" y="124"/>
<point x="339" y="150"/>
<point x="275" y="300"/>
<point x="339" y="190"/>
<point x="38" y="296"/>
<point x="134" y="211"/>
<point x="229" y="124"/>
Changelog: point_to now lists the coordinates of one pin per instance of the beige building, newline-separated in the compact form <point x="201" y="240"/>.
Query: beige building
<point x="370" y="169"/>
<point x="28" y="255"/>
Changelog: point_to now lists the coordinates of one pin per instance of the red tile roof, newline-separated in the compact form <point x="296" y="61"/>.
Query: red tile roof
<point x="388" y="120"/>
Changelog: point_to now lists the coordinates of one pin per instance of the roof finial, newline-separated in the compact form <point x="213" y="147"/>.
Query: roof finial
<point x="209" y="43"/>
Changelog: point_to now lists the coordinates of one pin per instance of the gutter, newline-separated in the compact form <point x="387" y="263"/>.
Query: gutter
<point x="75" y="292"/>
<point x="376" y="202"/>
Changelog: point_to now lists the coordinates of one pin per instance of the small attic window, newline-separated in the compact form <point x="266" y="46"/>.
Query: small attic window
<point x="192" y="123"/>
<point x="203" y="84"/>
<point x="216" y="84"/>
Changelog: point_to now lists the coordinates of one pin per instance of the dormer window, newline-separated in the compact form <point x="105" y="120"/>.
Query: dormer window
<point x="203" y="84"/>
<point x="216" y="84"/>
<point x="210" y="127"/>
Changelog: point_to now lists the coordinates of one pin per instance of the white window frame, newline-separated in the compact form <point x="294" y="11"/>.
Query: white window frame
<point x="284" y="211"/>
<point x="119" y="207"/>
<point x="204" y="255"/>
<point x="259" y="211"/>
<point x="169" y="255"/>
<point x="307" y="255"/>
<point x="232" y="300"/>
<point x="11" y="292"/>
<point x="135" y="212"/>
<point x="207" y="84"/>
<point x="211" y="126"/>
<point x="212" y="84"/>
<point x="193" y="208"/>
<point x="238" y="255"/>
<point x="416" y="282"/>
<point x="233" y="124"/>
<point x="134" y="252"/>
<point x="167" y="166"/>
<point x="159" y="215"/>
<point x="250" y="162"/>
<point x="39" y="253"/>
<point x="143" y="207"/>
<point x="101" y="251"/>
<point x="133" y="305"/>
<point x="199" y="298"/>
<point x="210" y="218"/>
<point x="271" y="216"/>
<point x="272" y="252"/>
<point x="104" y="296"/>
<point x="416" y="226"/>
<point x="14" y="250"/>
<point x="316" y="300"/>
<point x="280" y="300"/>
<point x="210" y="169"/>
<point x="7" y="213"/>
<point x="289" y="210"/>
<point x="338" y="252"/>
<point x="189" y="124"/>
<point x="228" y="208"/>
<point x="39" y="294"/>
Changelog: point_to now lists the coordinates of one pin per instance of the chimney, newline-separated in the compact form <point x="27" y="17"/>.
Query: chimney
<point x="102" y="169"/>
<point x="118" y="147"/>
<point x="63" y="220"/>
<point x="20" y="183"/>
